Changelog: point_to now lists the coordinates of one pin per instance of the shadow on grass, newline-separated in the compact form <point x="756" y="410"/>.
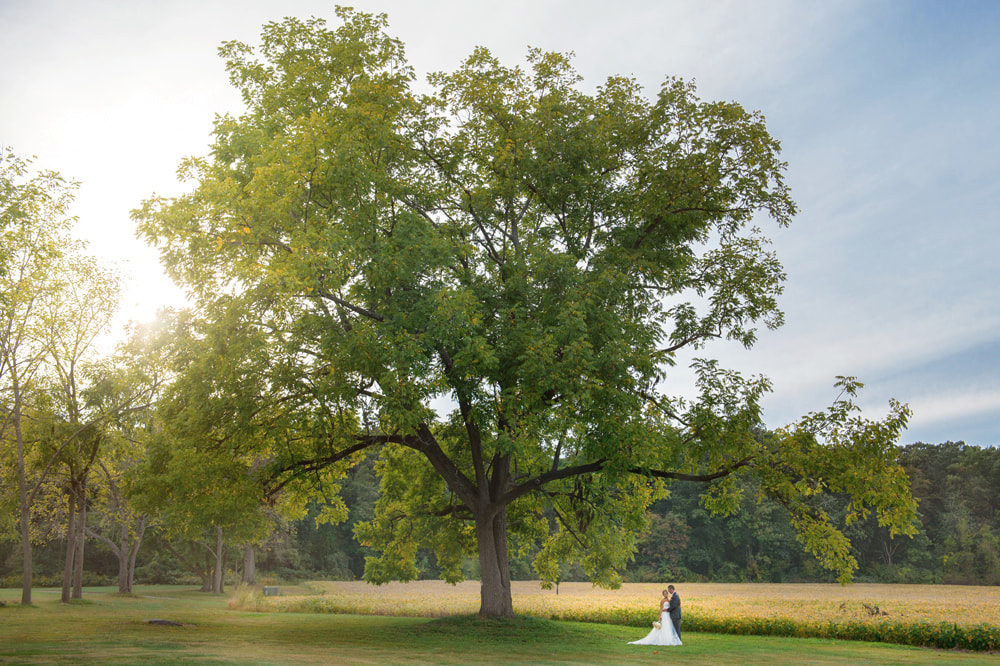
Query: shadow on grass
<point x="499" y="627"/>
<point x="475" y="630"/>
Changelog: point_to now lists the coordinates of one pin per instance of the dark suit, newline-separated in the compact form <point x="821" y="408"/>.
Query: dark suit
<point x="674" y="609"/>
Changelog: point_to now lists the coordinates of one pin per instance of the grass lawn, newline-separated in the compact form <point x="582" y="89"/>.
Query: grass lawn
<point x="107" y="629"/>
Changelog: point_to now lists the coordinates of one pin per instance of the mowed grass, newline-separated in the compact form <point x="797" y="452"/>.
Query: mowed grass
<point x="109" y="629"/>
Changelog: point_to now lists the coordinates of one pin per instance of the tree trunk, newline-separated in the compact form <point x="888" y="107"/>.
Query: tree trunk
<point x="207" y="571"/>
<point x="206" y="581"/>
<point x="122" y="553"/>
<point x="81" y="520"/>
<point x="491" y="536"/>
<point x="888" y="550"/>
<point x="125" y="552"/>
<point x="25" y="551"/>
<point x="132" y="553"/>
<point x="217" y="578"/>
<point x="22" y="492"/>
<point x="67" y="583"/>
<point x="249" y="566"/>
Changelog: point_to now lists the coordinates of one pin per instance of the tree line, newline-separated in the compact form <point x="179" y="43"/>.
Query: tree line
<point x="957" y="539"/>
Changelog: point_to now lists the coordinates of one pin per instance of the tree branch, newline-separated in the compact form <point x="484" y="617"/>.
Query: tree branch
<point x="357" y="309"/>
<point x="301" y="467"/>
<point x="538" y="482"/>
<point x="699" y="478"/>
<point x="425" y="443"/>
<point x="105" y="540"/>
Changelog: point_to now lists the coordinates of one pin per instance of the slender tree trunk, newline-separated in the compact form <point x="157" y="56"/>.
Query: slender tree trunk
<point x="134" y="551"/>
<point x="67" y="582"/>
<point x="249" y="566"/>
<point x="81" y="520"/>
<point x="491" y="536"/>
<point x="206" y="578"/>
<point x="123" y="557"/>
<point x="127" y="547"/>
<point x="22" y="492"/>
<point x="208" y="573"/>
<point x="217" y="578"/>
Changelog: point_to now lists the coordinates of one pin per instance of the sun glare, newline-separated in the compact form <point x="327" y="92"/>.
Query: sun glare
<point x="146" y="289"/>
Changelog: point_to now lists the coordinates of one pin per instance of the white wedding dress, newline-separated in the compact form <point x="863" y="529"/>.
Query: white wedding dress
<point x="665" y="635"/>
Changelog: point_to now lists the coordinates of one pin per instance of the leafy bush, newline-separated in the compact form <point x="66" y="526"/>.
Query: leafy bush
<point x="90" y="579"/>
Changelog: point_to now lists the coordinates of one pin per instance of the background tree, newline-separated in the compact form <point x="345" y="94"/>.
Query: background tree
<point x="487" y="286"/>
<point x="56" y="302"/>
<point x="134" y="379"/>
<point x="83" y="300"/>
<point x="201" y="499"/>
<point x="116" y="514"/>
<point x="659" y="551"/>
<point x="714" y="547"/>
<point x="196" y="495"/>
<point x="330" y="548"/>
<point x="959" y="486"/>
<point x="34" y="226"/>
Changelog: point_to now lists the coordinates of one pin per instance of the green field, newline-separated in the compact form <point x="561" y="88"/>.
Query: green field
<point x="108" y="629"/>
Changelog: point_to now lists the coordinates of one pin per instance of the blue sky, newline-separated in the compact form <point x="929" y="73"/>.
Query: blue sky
<point x="887" y="112"/>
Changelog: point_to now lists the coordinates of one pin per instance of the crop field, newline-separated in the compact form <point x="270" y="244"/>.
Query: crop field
<point x="962" y="605"/>
<point x="939" y="615"/>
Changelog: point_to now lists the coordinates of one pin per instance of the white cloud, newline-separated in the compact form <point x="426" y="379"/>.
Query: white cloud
<point x="934" y="409"/>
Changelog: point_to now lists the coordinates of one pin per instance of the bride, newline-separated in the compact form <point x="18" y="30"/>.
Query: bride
<point x="663" y="631"/>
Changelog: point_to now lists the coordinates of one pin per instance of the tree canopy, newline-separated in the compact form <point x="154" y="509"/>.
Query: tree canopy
<point x="486" y="285"/>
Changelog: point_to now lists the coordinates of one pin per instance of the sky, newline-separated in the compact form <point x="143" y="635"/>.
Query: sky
<point x="887" y="112"/>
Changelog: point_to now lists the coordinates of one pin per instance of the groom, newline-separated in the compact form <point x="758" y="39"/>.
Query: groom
<point x="674" y="608"/>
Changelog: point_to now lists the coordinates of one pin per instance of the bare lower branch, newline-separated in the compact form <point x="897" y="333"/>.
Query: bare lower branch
<point x="357" y="309"/>
<point x="538" y="482"/>
<point x="699" y="478"/>
<point x="298" y="468"/>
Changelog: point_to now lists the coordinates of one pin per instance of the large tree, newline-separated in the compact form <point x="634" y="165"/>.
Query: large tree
<point x="488" y="285"/>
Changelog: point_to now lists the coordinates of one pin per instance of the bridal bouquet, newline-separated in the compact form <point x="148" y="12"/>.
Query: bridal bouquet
<point x="657" y="625"/>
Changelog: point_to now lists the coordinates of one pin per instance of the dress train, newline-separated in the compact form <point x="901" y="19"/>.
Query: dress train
<point x="665" y="635"/>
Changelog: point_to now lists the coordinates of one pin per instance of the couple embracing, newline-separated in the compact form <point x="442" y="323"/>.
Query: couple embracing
<point x="668" y="630"/>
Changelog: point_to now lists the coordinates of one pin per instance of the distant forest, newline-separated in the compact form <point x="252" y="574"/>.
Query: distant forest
<point x="957" y="542"/>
